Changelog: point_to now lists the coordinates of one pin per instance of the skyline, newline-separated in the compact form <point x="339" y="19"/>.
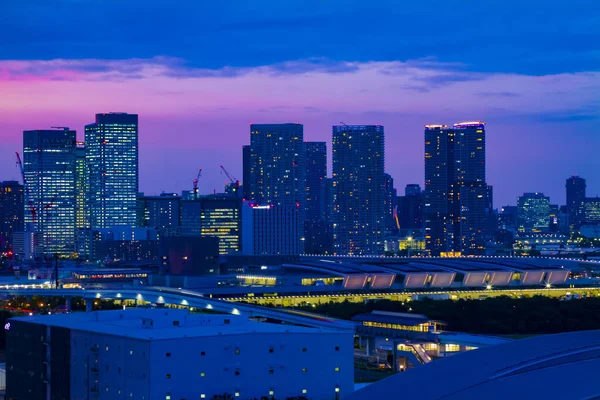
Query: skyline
<point x="540" y="106"/>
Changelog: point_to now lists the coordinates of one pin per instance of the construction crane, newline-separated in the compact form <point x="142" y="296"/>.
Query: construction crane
<point x="32" y="209"/>
<point x="234" y="181"/>
<point x="195" y="191"/>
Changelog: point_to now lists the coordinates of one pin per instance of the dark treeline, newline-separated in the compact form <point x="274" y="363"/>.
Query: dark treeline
<point x="499" y="315"/>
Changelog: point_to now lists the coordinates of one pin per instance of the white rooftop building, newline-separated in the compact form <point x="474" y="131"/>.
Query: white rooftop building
<point x="165" y="354"/>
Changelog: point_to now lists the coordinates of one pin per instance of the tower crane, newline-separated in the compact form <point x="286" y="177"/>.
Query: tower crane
<point x="234" y="181"/>
<point x="195" y="191"/>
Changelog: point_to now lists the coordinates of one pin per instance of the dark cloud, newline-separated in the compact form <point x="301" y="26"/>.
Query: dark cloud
<point x="533" y="37"/>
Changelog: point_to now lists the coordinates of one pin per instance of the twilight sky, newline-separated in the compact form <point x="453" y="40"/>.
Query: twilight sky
<point x="198" y="73"/>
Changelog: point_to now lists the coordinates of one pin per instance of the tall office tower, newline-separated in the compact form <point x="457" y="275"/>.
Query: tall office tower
<point x="160" y="212"/>
<point x="575" y="199"/>
<point x="455" y="190"/>
<point x="81" y="188"/>
<point x="533" y="210"/>
<point x="390" y="203"/>
<point x="315" y="226"/>
<point x="246" y="166"/>
<point x="410" y="208"/>
<point x="278" y="169"/>
<point x="12" y="199"/>
<point x="49" y="166"/>
<point x="112" y="158"/>
<point x="358" y="180"/>
<point x="591" y="211"/>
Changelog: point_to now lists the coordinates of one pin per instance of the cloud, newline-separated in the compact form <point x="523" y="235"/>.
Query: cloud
<point x="498" y="94"/>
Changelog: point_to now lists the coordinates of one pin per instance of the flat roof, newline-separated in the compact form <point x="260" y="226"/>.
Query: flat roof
<point x="393" y="318"/>
<point x="166" y="324"/>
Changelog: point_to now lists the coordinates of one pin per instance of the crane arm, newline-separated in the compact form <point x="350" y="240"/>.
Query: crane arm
<point x="231" y="178"/>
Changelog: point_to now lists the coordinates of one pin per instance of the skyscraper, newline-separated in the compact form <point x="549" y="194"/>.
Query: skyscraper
<point x="246" y="166"/>
<point x="160" y="212"/>
<point x="456" y="194"/>
<point x="112" y="158"/>
<point x="278" y="169"/>
<point x="358" y="180"/>
<point x="533" y="212"/>
<point x="315" y="229"/>
<point x="49" y="166"/>
<point x="81" y="187"/>
<point x="575" y="199"/>
<point x="390" y="203"/>
<point x="270" y="230"/>
<point x="11" y="212"/>
<point x="410" y="208"/>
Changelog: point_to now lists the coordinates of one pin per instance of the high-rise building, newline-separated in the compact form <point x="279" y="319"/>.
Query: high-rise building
<point x="456" y="193"/>
<point x="591" y="211"/>
<point x="214" y="215"/>
<point x="12" y="199"/>
<point x="81" y="187"/>
<point x="112" y="158"/>
<point x="270" y="230"/>
<point x="533" y="211"/>
<point x="246" y="166"/>
<point x="278" y="169"/>
<point x="390" y="203"/>
<point x="575" y="199"/>
<point x="410" y="208"/>
<point x="160" y="212"/>
<point x="49" y="166"/>
<point x="315" y="229"/>
<point x="358" y="180"/>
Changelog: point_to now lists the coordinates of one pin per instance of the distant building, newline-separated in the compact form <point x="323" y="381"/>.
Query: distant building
<point x="389" y="203"/>
<point x="190" y="255"/>
<point x="456" y="193"/>
<point x="119" y="243"/>
<point x="358" y="183"/>
<point x="112" y="158"/>
<point x="160" y="212"/>
<point x="278" y="169"/>
<point x="269" y="230"/>
<point x="591" y="211"/>
<point x="575" y="199"/>
<point x="81" y="188"/>
<point x="533" y="211"/>
<point x="246" y="167"/>
<point x="49" y="165"/>
<point x="410" y="208"/>
<point x="214" y="215"/>
<point x="12" y="199"/>
<point x="507" y="218"/>
<point x="173" y="354"/>
<point x="315" y="226"/>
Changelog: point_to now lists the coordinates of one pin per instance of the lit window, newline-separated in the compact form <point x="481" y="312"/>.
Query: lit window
<point x="237" y="350"/>
<point x="303" y="391"/>
<point x="271" y="393"/>
<point x="106" y="348"/>
<point x="202" y="374"/>
<point x="303" y="369"/>
<point x="337" y="369"/>
<point x="337" y="389"/>
<point x="202" y="396"/>
<point x="130" y="352"/>
<point x="167" y="397"/>
<point x="237" y="394"/>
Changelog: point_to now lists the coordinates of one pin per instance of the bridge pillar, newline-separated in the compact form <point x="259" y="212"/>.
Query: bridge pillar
<point x="395" y="356"/>
<point x="89" y="304"/>
<point x="68" y="304"/>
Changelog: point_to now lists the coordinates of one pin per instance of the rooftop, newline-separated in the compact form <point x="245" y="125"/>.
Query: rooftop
<point x="161" y="324"/>
<point x="393" y="318"/>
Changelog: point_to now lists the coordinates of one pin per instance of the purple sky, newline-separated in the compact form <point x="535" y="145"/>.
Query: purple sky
<point x="197" y="75"/>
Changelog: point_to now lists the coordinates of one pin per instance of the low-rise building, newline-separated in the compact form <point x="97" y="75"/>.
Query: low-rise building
<point x="162" y="354"/>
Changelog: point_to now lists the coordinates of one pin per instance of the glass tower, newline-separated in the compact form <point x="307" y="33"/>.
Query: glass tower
<point x="278" y="169"/>
<point x="315" y="228"/>
<point x="358" y="184"/>
<point x="50" y="198"/>
<point x="81" y="187"/>
<point x="575" y="199"/>
<point x="456" y="194"/>
<point x="11" y="212"/>
<point x="112" y="159"/>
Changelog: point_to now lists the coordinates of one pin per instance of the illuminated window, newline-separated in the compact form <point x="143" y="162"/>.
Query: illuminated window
<point x="337" y="369"/>
<point x="202" y="374"/>
<point x="337" y="389"/>
<point x="303" y="391"/>
<point x="237" y="350"/>
<point x="304" y="369"/>
<point x="202" y="396"/>
<point x="237" y="394"/>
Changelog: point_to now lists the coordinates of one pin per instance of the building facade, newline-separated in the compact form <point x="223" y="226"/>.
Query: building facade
<point x="278" y="170"/>
<point x="533" y="211"/>
<point x="456" y="193"/>
<point x="410" y="208"/>
<point x="270" y="230"/>
<point x="160" y="212"/>
<point x="172" y="354"/>
<point x="575" y="199"/>
<point x="112" y="164"/>
<point x="49" y="167"/>
<point x="81" y="188"/>
<point x="12" y="200"/>
<point x="246" y="167"/>
<point x="315" y="227"/>
<point x="358" y="154"/>
<point x="591" y="211"/>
